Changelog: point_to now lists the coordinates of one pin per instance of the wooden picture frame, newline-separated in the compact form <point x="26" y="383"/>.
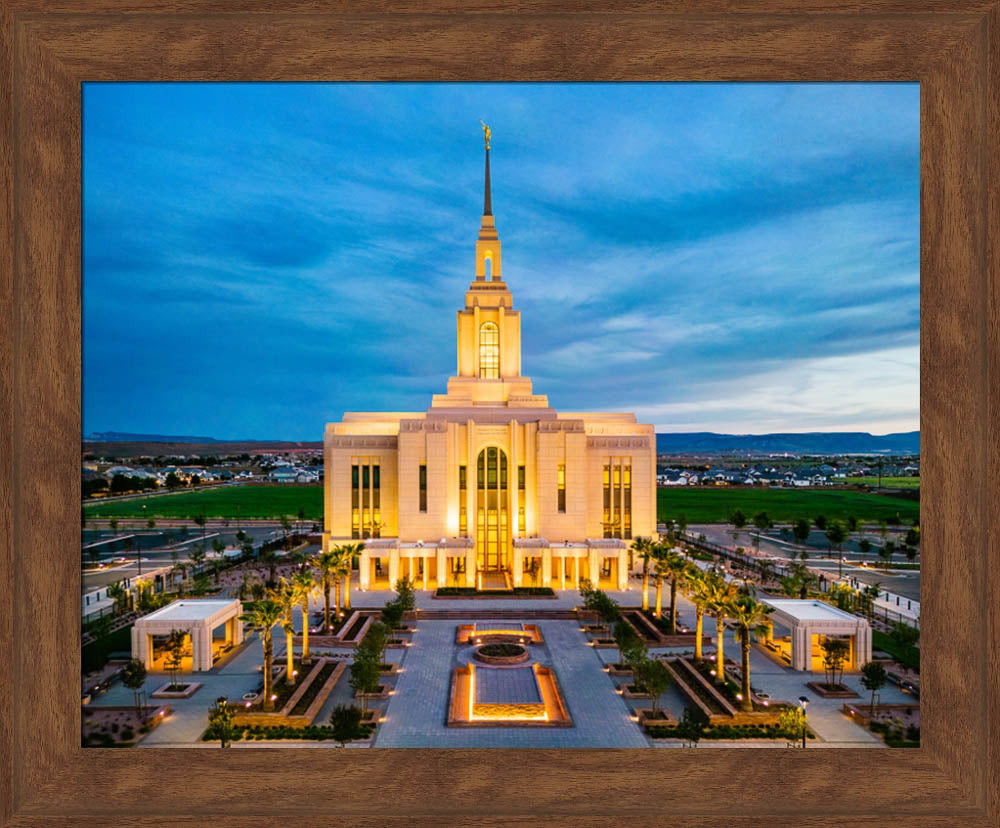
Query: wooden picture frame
<point x="49" y="48"/>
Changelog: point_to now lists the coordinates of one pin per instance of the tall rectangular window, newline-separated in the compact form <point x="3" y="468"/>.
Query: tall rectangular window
<point x="463" y="517"/>
<point x="561" y="487"/>
<point x="355" y="501"/>
<point x="607" y="500"/>
<point x="365" y="498"/>
<point x="423" y="488"/>
<point x="627" y="501"/>
<point x="520" y="478"/>
<point x="461" y="478"/>
<point x="520" y="521"/>
<point x="616" y="493"/>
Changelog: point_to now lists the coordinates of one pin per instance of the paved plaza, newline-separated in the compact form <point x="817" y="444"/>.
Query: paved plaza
<point x="416" y="711"/>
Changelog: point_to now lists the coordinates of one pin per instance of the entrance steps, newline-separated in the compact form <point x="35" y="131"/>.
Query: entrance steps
<point x="496" y="614"/>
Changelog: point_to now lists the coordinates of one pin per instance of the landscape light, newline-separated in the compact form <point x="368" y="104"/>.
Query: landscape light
<point x="273" y="697"/>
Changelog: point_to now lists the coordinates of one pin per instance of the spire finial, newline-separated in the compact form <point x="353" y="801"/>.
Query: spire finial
<point x="487" y="198"/>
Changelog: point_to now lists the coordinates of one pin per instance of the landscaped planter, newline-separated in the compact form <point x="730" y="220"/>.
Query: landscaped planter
<point x="604" y="643"/>
<point x="619" y="670"/>
<point x="501" y="654"/>
<point x="629" y="693"/>
<point x="647" y="717"/>
<point x="381" y="693"/>
<point x="391" y="669"/>
<point x="842" y="691"/>
<point x="190" y="688"/>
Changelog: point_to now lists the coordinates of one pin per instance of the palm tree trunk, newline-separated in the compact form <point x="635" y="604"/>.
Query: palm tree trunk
<point x="337" y="594"/>
<point x="645" y="587"/>
<point x="673" y="606"/>
<point x="326" y="606"/>
<point x="268" y="655"/>
<point x="699" y="615"/>
<point x="305" y="630"/>
<point x="347" y="592"/>
<point x="720" y="658"/>
<point x="747" y="703"/>
<point x="290" y="656"/>
<point x="659" y="598"/>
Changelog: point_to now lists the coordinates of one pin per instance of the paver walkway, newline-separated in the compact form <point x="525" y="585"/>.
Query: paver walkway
<point x="417" y="711"/>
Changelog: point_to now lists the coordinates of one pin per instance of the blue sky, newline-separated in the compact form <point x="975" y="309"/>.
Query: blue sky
<point x="259" y="258"/>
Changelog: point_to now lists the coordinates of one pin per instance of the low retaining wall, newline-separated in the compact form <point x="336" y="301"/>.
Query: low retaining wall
<point x="284" y="717"/>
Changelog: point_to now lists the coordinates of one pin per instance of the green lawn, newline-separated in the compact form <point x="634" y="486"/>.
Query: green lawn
<point x="716" y="505"/>
<point x="887" y="482"/>
<point x="230" y="502"/>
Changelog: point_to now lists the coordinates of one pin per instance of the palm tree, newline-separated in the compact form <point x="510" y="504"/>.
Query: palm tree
<point x="304" y="584"/>
<point x="351" y="551"/>
<point x="117" y="593"/>
<point x="326" y="563"/>
<point x="286" y="597"/>
<point x="700" y="592"/>
<point x="677" y="569"/>
<point x="644" y="549"/>
<point x="720" y="594"/>
<point x="661" y="570"/>
<point x="749" y="615"/>
<point x="264" y="615"/>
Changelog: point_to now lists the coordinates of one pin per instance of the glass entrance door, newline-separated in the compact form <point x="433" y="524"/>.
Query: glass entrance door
<point x="491" y="511"/>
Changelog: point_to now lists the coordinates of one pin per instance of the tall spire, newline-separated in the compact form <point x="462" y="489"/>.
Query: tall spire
<point x="487" y="199"/>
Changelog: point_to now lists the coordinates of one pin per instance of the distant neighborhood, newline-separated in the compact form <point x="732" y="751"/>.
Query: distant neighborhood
<point x="108" y="476"/>
<point x="806" y="474"/>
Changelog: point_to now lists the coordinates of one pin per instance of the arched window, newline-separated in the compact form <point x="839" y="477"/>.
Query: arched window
<point x="489" y="351"/>
<point x="488" y="267"/>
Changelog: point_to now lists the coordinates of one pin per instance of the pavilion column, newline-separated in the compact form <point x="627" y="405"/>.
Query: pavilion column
<point x="576" y="571"/>
<point x="439" y="575"/>
<point x="365" y="569"/>
<point x="801" y="649"/>
<point x="470" y="567"/>
<point x="547" y="566"/>
<point x="562" y="571"/>
<point x="393" y="567"/>
<point x="517" y="565"/>
<point x="622" y="569"/>
<point x="425" y="562"/>
<point x="595" y="568"/>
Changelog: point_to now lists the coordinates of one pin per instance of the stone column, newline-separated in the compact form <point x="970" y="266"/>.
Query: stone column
<point x="425" y="561"/>
<point x="576" y="571"/>
<point x="547" y="566"/>
<point x="517" y="566"/>
<point x="622" y="569"/>
<point x="470" y="567"/>
<point x="393" y="567"/>
<point x="440" y="576"/>
<point x="365" y="569"/>
<point x="562" y="570"/>
<point x="595" y="568"/>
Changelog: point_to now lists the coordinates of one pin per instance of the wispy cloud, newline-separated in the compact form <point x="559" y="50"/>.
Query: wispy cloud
<point x="259" y="258"/>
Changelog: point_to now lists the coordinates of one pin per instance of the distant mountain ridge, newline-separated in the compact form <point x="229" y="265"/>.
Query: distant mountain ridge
<point x="833" y="442"/>
<point x="125" y="437"/>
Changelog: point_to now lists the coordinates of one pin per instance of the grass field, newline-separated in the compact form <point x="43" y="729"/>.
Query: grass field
<point x="698" y="505"/>
<point x="887" y="482"/>
<point x="716" y="505"/>
<point x="230" y="502"/>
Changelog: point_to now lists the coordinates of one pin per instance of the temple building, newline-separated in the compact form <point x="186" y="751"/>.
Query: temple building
<point x="490" y="487"/>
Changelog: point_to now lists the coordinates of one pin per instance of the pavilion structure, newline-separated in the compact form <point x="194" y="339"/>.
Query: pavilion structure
<point x="809" y="623"/>
<point x="198" y="618"/>
<point x="490" y="487"/>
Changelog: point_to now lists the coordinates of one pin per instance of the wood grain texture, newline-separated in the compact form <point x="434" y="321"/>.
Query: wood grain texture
<point x="48" y="49"/>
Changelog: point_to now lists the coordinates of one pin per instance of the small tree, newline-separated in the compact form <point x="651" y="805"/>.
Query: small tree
<point x="873" y="677"/>
<point x="655" y="678"/>
<point x="133" y="677"/>
<point x="175" y="653"/>
<point x="865" y="546"/>
<point x="375" y="641"/>
<point x="792" y="722"/>
<point x="365" y="675"/>
<point x="820" y="522"/>
<point x="345" y="719"/>
<point x="220" y="721"/>
<point x="405" y="594"/>
<point x="904" y="635"/>
<point x="392" y="614"/>
<point x="625" y="637"/>
<point x="692" y="726"/>
<point x="835" y="651"/>
<point x="534" y="567"/>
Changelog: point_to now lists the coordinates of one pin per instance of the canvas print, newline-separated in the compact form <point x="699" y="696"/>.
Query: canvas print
<point x="500" y="415"/>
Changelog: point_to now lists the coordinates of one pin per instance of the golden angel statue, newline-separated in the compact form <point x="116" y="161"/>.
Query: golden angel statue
<point x="486" y="132"/>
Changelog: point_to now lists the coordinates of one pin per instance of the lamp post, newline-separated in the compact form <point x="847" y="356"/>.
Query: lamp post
<point x="803" y="703"/>
<point x="138" y="555"/>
